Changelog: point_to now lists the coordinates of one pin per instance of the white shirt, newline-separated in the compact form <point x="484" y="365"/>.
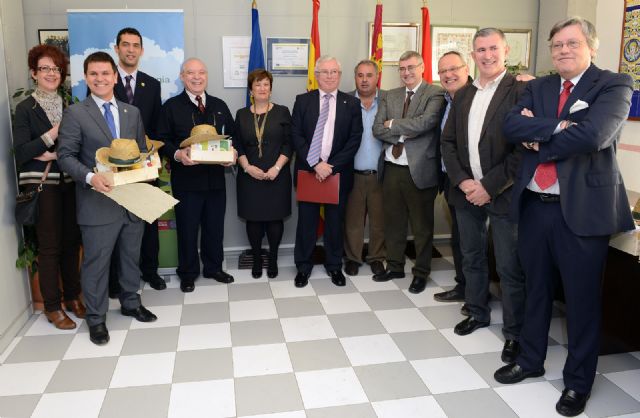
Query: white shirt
<point x="388" y="153"/>
<point x="329" y="127"/>
<point x="555" y="187"/>
<point x="123" y="74"/>
<point x="477" y="113"/>
<point x="116" y="120"/>
<point x="192" y="97"/>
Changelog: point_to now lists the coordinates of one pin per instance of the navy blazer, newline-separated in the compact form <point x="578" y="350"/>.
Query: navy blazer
<point x="346" y="135"/>
<point x="146" y="97"/>
<point x="592" y="193"/>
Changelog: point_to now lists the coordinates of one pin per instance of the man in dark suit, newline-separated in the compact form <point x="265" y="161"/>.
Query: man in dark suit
<point x="481" y="165"/>
<point x="569" y="198"/>
<point x="200" y="188"/>
<point x="454" y="74"/>
<point x="143" y="91"/>
<point x="325" y="148"/>
<point x="365" y="199"/>
<point x="85" y="127"/>
<point x="408" y="121"/>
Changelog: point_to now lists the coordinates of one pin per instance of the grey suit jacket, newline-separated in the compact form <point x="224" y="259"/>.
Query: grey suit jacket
<point x="421" y="128"/>
<point x="82" y="131"/>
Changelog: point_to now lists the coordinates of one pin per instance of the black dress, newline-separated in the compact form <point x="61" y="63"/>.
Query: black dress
<point x="264" y="200"/>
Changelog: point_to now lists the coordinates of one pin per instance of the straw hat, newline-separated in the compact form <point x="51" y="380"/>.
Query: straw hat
<point x="153" y="145"/>
<point x="121" y="153"/>
<point x="202" y="133"/>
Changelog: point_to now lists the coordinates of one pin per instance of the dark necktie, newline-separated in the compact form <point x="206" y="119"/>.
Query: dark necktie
<point x="200" y="105"/>
<point x="546" y="174"/>
<point x="315" y="149"/>
<point x="396" y="151"/>
<point x="108" y="116"/>
<point x="128" y="89"/>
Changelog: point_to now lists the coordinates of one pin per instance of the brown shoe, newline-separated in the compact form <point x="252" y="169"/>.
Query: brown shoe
<point x="77" y="307"/>
<point x="60" y="319"/>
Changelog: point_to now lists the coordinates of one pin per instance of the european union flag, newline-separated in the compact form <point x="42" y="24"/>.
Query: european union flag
<point x="256" y="56"/>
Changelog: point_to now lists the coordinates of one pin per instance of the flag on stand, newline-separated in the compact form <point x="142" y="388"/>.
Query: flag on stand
<point x="376" y="40"/>
<point x="314" y="48"/>
<point x="426" y="43"/>
<point x="256" y="55"/>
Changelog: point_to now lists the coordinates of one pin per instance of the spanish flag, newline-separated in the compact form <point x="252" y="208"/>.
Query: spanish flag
<point x="426" y="43"/>
<point x="314" y="48"/>
<point x="376" y="40"/>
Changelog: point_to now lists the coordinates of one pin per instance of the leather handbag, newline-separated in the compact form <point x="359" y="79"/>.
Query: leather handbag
<point x="27" y="202"/>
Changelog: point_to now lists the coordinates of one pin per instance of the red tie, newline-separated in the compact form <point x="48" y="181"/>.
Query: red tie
<point x="200" y="105"/>
<point x="546" y="173"/>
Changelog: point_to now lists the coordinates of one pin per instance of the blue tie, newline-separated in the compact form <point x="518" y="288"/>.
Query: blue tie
<point x="109" y="118"/>
<point x="316" y="143"/>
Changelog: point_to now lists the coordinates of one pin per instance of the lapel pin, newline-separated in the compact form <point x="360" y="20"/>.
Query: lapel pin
<point x="125" y="110"/>
<point x="141" y="84"/>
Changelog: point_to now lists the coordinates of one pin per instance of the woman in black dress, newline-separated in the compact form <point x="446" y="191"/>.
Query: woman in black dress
<point x="264" y="182"/>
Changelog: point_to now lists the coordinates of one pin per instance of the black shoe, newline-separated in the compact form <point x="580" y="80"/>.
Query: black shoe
<point x="99" y="334"/>
<point x="155" y="281"/>
<point x="510" y="351"/>
<point x="377" y="267"/>
<point x="256" y="270"/>
<point x="351" y="268"/>
<point x="469" y="325"/>
<point x="453" y="295"/>
<point x="187" y="285"/>
<point x="140" y="313"/>
<point x="220" y="276"/>
<point x="301" y="280"/>
<point x="464" y="310"/>
<point x="571" y="403"/>
<point x="338" y="278"/>
<point x="418" y="285"/>
<point x="387" y="275"/>
<point x="513" y="373"/>
<point x="272" y="268"/>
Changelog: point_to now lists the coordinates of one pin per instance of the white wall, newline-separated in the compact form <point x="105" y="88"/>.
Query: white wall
<point x="14" y="288"/>
<point x="608" y="24"/>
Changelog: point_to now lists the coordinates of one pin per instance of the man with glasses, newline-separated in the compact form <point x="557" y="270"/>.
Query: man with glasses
<point x="481" y="165"/>
<point x="569" y="198"/>
<point x="200" y="188"/>
<point x="454" y="74"/>
<point x="408" y="121"/>
<point x="326" y="132"/>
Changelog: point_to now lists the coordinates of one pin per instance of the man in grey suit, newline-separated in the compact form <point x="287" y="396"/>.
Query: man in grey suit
<point x="408" y="121"/>
<point x="85" y="127"/>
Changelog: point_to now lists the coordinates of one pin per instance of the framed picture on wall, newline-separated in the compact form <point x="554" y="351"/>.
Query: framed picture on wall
<point x="396" y="39"/>
<point x="630" y="52"/>
<point x="55" y="37"/>
<point x="519" y="41"/>
<point x="288" y="56"/>
<point x="452" y="38"/>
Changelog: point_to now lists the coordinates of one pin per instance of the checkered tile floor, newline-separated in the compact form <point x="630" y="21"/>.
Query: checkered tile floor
<point x="264" y="348"/>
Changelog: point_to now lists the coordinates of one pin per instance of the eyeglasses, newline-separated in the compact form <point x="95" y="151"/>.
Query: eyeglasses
<point x="451" y="70"/>
<point x="326" y="73"/>
<point x="47" y="69"/>
<point x="571" y="43"/>
<point x="408" y="68"/>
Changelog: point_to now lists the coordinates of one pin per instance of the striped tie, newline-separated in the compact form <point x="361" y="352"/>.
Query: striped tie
<point x="316" y="143"/>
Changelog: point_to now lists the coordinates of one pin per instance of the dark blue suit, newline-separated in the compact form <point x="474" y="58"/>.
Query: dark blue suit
<point x="346" y="140"/>
<point x="568" y="240"/>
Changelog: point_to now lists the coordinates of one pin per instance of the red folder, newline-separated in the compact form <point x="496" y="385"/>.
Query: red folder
<point x="312" y="190"/>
